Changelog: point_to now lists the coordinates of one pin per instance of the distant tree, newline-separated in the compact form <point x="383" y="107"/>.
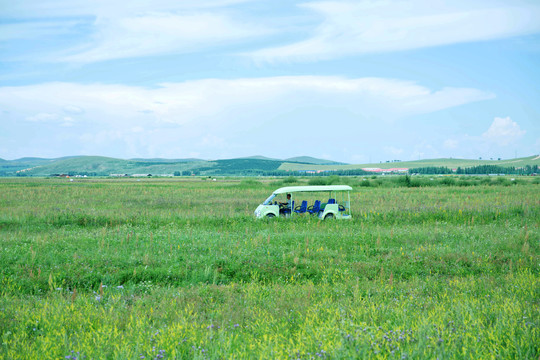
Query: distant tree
<point x="431" y="170"/>
<point x="176" y="173"/>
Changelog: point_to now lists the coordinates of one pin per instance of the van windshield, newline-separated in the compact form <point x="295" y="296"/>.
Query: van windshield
<point x="269" y="200"/>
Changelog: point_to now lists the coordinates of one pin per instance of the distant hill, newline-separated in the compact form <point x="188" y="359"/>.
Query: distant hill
<point x="260" y="157"/>
<point x="447" y="162"/>
<point x="312" y="160"/>
<point x="105" y="166"/>
<point x="254" y="165"/>
<point x="168" y="161"/>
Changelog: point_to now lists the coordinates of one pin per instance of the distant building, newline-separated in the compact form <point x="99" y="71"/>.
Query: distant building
<point x="391" y="170"/>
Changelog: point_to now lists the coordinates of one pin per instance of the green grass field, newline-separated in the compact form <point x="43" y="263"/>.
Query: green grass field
<point x="179" y="268"/>
<point x="450" y="163"/>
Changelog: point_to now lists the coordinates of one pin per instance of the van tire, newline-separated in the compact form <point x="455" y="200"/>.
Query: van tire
<point x="270" y="215"/>
<point x="329" y="216"/>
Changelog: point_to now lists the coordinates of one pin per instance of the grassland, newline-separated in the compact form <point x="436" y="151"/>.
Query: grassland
<point x="180" y="269"/>
<point x="104" y="166"/>
<point x="450" y="163"/>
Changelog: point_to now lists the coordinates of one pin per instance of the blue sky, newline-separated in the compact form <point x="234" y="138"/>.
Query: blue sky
<point x="354" y="81"/>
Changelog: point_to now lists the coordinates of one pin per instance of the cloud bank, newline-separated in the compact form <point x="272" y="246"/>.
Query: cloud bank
<point x="104" y="30"/>
<point x="214" y="114"/>
<point x="360" y="27"/>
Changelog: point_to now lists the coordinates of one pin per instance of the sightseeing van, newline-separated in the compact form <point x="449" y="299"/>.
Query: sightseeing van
<point x="327" y="202"/>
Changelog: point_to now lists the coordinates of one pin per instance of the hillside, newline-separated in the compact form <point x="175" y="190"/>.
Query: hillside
<point x="104" y="166"/>
<point x="161" y="160"/>
<point x="312" y="160"/>
<point x="447" y="162"/>
<point x="255" y="165"/>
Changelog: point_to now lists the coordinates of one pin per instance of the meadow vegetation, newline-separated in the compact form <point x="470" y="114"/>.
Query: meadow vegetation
<point x="430" y="267"/>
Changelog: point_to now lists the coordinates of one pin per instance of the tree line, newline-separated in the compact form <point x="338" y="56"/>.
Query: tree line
<point x="477" y="170"/>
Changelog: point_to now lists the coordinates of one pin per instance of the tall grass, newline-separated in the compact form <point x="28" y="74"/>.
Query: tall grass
<point x="181" y="269"/>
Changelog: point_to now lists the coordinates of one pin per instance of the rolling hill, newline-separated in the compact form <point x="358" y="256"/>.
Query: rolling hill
<point x="312" y="160"/>
<point x="255" y="165"/>
<point x="446" y="162"/>
<point x="105" y="166"/>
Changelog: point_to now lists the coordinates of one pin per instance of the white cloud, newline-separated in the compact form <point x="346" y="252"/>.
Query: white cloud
<point x="104" y="30"/>
<point x="42" y="117"/>
<point x="71" y="109"/>
<point x="71" y="8"/>
<point x="236" y="115"/>
<point x="160" y="33"/>
<point x="32" y="30"/>
<point x="182" y="102"/>
<point x="357" y="27"/>
<point x="503" y="131"/>
<point x="50" y="118"/>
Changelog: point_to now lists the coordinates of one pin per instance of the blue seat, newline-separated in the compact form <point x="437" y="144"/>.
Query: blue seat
<point x="315" y="208"/>
<point x="300" y="209"/>
<point x="331" y="201"/>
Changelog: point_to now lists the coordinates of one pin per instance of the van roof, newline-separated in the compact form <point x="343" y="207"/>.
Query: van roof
<point x="313" y="188"/>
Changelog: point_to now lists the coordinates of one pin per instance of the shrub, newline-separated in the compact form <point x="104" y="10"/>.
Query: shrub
<point x="503" y="181"/>
<point x="450" y="181"/>
<point x="485" y="181"/>
<point x="290" y="180"/>
<point x="334" y="179"/>
<point x="365" y="183"/>
<point x="317" y="181"/>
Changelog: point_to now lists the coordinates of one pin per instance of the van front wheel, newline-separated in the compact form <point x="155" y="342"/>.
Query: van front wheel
<point x="270" y="215"/>
<point x="329" y="216"/>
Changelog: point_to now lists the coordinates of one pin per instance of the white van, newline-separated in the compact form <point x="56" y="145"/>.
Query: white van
<point x="324" y="208"/>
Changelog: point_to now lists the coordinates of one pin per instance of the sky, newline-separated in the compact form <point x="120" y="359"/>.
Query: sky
<point x="352" y="81"/>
